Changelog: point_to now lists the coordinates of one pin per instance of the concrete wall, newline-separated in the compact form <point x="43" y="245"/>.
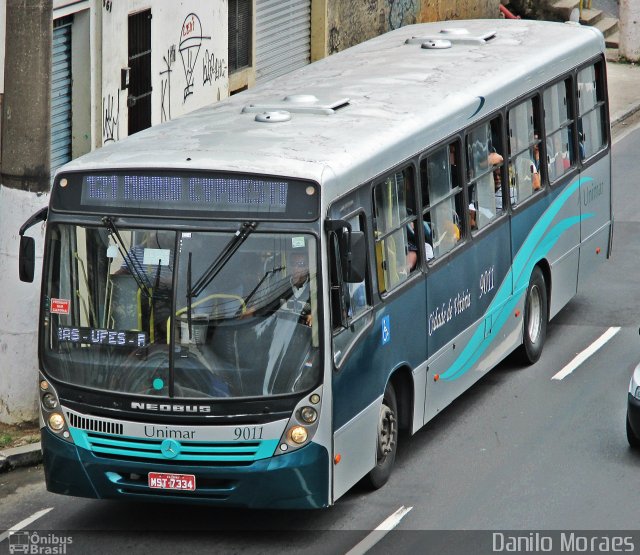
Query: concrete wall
<point x="3" y="26"/>
<point x="349" y="23"/>
<point x="188" y="60"/>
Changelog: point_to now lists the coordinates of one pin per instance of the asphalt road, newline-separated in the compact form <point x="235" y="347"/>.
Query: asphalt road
<point x="519" y="451"/>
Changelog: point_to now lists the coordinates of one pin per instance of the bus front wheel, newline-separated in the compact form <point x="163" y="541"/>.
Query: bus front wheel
<point x="387" y="440"/>
<point x="535" y="318"/>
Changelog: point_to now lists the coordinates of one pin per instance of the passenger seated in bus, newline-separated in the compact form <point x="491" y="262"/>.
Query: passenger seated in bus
<point x="298" y="298"/>
<point x="412" y="245"/>
<point x="558" y="157"/>
<point x="495" y="160"/>
<point x="473" y="223"/>
<point x="473" y="215"/>
<point x="524" y="176"/>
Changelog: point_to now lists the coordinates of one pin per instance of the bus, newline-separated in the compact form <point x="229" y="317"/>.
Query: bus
<point x="245" y="306"/>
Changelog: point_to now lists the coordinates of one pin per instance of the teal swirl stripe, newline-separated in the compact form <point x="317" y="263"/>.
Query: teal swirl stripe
<point x="537" y="245"/>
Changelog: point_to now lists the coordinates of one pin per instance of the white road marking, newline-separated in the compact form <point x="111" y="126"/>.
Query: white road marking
<point x="584" y="355"/>
<point x="23" y="523"/>
<point x="380" y="532"/>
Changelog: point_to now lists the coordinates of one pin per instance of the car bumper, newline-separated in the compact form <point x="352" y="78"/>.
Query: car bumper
<point x="633" y="412"/>
<point x="296" y="480"/>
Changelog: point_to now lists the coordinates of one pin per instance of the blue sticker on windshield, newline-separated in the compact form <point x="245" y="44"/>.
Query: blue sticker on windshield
<point x="386" y="330"/>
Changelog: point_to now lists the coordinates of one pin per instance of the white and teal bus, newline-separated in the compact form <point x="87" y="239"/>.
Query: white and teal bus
<point x="244" y="306"/>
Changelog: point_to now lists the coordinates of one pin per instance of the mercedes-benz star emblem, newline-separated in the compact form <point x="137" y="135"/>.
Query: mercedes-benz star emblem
<point x="170" y="448"/>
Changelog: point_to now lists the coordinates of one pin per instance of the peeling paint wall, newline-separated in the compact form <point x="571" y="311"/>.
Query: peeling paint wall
<point x="350" y="23"/>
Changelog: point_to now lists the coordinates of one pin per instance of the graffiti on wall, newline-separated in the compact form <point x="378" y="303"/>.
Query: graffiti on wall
<point x="111" y="118"/>
<point x="165" y="83"/>
<point x="351" y="23"/>
<point x="191" y="39"/>
<point x="213" y="68"/>
<point x="402" y="12"/>
<point x="193" y="56"/>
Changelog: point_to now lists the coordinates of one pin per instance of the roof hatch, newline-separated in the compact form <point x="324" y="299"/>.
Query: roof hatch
<point x="298" y="104"/>
<point x="453" y="35"/>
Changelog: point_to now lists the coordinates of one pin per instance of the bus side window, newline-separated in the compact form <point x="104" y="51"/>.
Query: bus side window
<point x="485" y="172"/>
<point x="442" y="206"/>
<point x="524" y="157"/>
<point x="396" y="255"/>
<point x="591" y="111"/>
<point x="558" y="124"/>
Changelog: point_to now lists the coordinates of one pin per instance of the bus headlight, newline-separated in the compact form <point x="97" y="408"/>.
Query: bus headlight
<point x="56" y="422"/>
<point x="303" y="423"/>
<point x="308" y="414"/>
<point x="51" y="414"/>
<point x="49" y="401"/>
<point x="298" y="434"/>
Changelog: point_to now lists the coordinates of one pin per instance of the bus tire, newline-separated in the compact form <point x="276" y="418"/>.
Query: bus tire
<point x="386" y="441"/>
<point x="632" y="438"/>
<point x="535" y="318"/>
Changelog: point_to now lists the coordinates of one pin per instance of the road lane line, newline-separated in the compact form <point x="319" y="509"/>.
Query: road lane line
<point x="380" y="532"/>
<point x="23" y="523"/>
<point x="584" y="355"/>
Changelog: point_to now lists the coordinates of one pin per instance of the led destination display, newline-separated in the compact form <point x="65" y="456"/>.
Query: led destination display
<point x="111" y="338"/>
<point x="221" y="193"/>
<point x="190" y="194"/>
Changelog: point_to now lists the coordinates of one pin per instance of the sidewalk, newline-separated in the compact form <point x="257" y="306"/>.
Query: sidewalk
<point x="27" y="455"/>
<point x="624" y="84"/>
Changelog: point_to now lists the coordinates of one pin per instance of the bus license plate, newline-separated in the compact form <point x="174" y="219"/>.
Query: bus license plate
<point x="160" y="480"/>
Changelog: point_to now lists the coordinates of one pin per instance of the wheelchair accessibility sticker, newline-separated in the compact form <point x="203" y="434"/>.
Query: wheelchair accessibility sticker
<point x="386" y="330"/>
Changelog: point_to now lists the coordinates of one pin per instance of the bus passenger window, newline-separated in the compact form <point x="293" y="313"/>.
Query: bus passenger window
<point x="394" y="211"/>
<point x="485" y="171"/>
<point x="442" y="205"/>
<point x="558" y="124"/>
<point x="524" y="157"/>
<point x="592" y="116"/>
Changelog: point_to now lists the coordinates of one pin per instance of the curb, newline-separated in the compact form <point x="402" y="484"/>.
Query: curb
<point x="26" y="455"/>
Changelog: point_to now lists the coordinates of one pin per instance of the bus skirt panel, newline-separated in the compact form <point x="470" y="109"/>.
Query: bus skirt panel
<point x="297" y="480"/>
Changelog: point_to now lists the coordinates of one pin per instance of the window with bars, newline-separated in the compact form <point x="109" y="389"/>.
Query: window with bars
<point x="139" y="99"/>
<point x="240" y="32"/>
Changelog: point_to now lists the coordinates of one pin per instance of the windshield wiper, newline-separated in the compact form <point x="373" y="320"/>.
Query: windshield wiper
<point x="216" y="266"/>
<point x="132" y="264"/>
<point x="220" y="261"/>
<point x="255" y="289"/>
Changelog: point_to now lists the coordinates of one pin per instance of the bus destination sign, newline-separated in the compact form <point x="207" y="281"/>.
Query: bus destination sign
<point x="186" y="194"/>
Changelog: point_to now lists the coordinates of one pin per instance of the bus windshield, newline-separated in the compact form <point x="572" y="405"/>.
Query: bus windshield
<point x="141" y="312"/>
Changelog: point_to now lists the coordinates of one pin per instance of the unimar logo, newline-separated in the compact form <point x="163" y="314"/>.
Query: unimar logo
<point x="39" y="543"/>
<point x="159" y="407"/>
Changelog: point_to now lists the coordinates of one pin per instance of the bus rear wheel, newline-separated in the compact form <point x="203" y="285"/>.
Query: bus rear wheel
<point x="387" y="440"/>
<point x="535" y="318"/>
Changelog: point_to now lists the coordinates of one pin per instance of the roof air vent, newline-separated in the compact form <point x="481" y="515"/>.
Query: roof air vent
<point x="301" y="99"/>
<point x="299" y="104"/>
<point x="276" y="116"/>
<point x="436" y="44"/>
<point x="454" y="36"/>
<point x="455" y="31"/>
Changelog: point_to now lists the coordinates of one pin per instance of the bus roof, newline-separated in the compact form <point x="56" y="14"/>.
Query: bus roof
<point x="354" y="114"/>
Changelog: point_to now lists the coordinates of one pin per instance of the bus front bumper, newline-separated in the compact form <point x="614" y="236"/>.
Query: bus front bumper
<point x="298" y="480"/>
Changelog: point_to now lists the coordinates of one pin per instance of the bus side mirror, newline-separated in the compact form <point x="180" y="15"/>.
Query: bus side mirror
<point x="27" y="259"/>
<point x="354" y="257"/>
